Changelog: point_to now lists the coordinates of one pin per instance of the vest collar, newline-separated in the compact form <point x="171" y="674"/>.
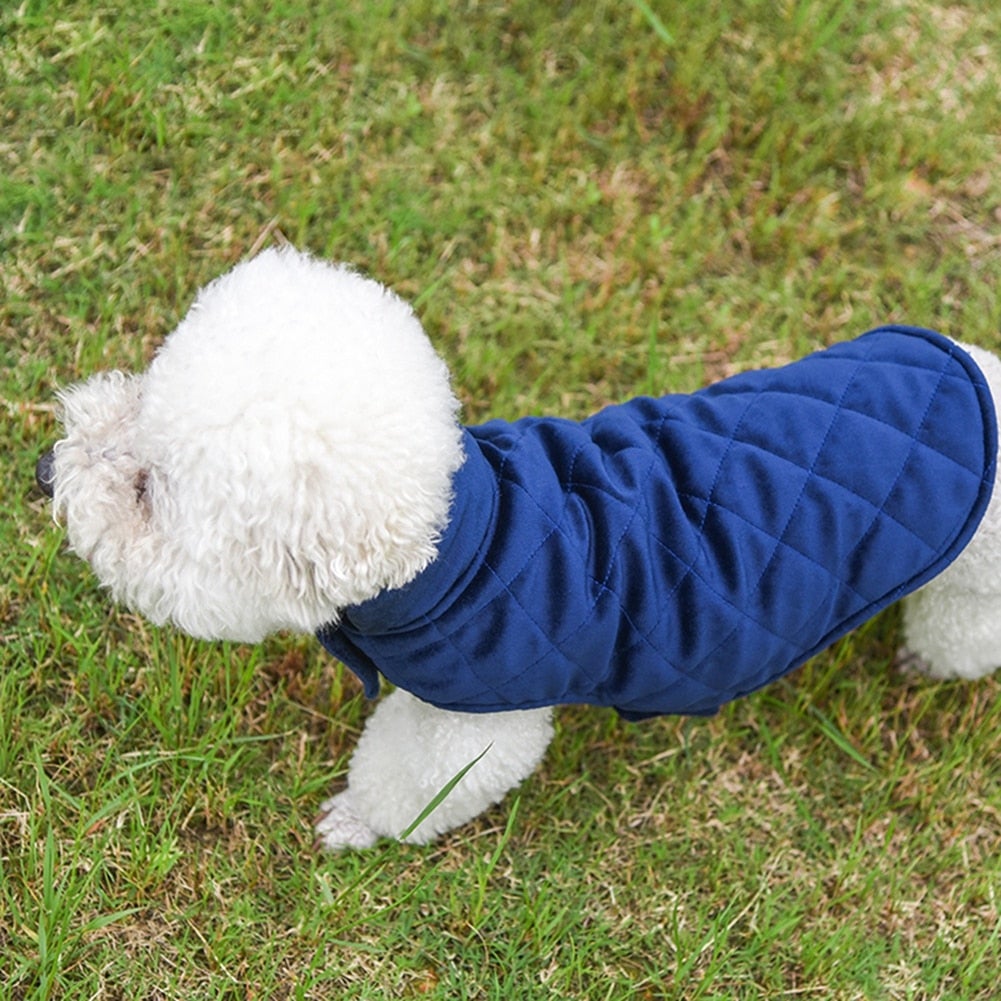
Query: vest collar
<point x="471" y="518"/>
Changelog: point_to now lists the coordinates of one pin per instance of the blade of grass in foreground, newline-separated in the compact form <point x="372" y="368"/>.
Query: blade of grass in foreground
<point x="443" y="794"/>
<point x="660" y="29"/>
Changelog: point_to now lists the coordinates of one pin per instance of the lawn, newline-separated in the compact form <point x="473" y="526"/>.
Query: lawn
<point x="584" y="201"/>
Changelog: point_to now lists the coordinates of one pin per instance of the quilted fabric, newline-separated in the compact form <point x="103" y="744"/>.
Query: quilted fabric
<point x="668" y="555"/>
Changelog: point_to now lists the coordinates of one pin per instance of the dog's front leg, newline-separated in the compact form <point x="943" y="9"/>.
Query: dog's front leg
<point x="409" y="751"/>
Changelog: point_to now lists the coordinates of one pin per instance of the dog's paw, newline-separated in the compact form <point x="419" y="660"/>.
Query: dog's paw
<point x="913" y="665"/>
<point x="339" y="827"/>
<point x="909" y="663"/>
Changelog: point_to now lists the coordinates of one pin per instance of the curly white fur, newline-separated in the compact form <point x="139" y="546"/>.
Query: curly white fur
<point x="289" y="453"/>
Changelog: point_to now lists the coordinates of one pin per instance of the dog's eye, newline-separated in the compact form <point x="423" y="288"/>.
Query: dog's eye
<point x="142" y="478"/>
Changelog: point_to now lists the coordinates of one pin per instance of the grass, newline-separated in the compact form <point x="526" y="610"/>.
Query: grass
<point x="585" y="201"/>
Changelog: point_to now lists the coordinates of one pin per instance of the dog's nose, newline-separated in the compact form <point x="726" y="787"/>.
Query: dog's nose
<point x="45" y="473"/>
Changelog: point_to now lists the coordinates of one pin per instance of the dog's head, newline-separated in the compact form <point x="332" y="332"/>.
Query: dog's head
<point x="289" y="452"/>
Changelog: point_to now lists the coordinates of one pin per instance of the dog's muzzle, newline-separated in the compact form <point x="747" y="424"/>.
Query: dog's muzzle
<point x="45" y="473"/>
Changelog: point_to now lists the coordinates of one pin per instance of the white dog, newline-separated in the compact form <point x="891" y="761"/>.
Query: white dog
<point x="292" y="460"/>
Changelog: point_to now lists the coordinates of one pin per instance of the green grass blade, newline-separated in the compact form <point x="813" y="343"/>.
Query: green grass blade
<point x="660" y="29"/>
<point x="442" y="794"/>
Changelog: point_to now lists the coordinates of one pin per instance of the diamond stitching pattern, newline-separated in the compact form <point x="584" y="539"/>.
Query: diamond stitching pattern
<point x="734" y="437"/>
<point x="509" y="604"/>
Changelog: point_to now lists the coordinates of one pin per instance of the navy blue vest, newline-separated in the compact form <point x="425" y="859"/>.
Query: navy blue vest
<point x="668" y="555"/>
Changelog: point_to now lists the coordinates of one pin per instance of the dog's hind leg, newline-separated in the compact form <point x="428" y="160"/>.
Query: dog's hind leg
<point x="410" y="751"/>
